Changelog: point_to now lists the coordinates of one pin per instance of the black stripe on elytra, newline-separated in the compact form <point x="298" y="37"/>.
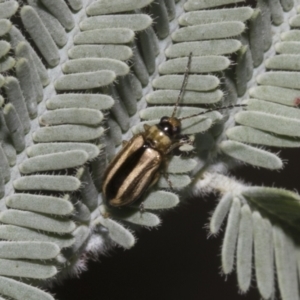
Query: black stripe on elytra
<point x="125" y="169"/>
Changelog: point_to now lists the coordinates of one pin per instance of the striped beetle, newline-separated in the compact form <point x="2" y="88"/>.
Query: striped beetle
<point x="138" y="165"/>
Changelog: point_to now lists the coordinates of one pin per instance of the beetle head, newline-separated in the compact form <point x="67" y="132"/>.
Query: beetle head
<point x="170" y="126"/>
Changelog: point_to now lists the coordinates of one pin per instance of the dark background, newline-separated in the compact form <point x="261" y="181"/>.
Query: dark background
<point x="177" y="260"/>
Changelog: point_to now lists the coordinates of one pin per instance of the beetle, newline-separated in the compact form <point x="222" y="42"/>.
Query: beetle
<point x="138" y="165"/>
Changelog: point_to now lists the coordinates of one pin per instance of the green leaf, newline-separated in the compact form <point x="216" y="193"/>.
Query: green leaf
<point x="144" y="219"/>
<point x="85" y="81"/>
<point x="160" y="200"/>
<point x="151" y="113"/>
<point x="23" y="51"/>
<point x="6" y="63"/>
<point x="231" y="235"/>
<point x="66" y="133"/>
<point x="14" y="126"/>
<point x="275" y="94"/>
<point x="264" y="253"/>
<point x="272" y="108"/>
<point x="291" y="36"/>
<point x="61" y="11"/>
<point x="82" y="213"/>
<point x="250" y="135"/>
<point x="193" y="98"/>
<point x="195" y="83"/>
<point x="220" y="213"/>
<point x="19" y="268"/>
<point x="178" y="181"/>
<point x="16" y="233"/>
<point x="36" y="221"/>
<point x="98" y="51"/>
<point x="244" y="249"/>
<point x="47" y="182"/>
<point x="269" y="122"/>
<point x="290" y="62"/>
<point x="19" y="291"/>
<point x="56" y="30"/>
<point x="105" y="36"/>
<point x="49" y="148"/>
<point x="241" y="14"/>
<point x="280" y="79"/>
<point x="286" y="265"/>
<point x="4" y="165"/>
<point x="92" y="101"/>
<point x="85" y="116"/>
<point x="81" y="235"/>
<point x="210" y="47"/>
<point x="40" y="35"/>
<point x="287" y="47"/>
<point x="40" y="203"/>
<point x="279" y="203"/>
<point x="27" y="86"/>
<point x="56" y="161"/>
<point x="117" y="232"/>
<point x="243" y="70"/>
<point x="200" y="64"/>
<point x="5" y="26"/>
<point x="83" y="65"/>
<point x="181" y="165"/>
<point x="8" y="9"/>
<point x="28" y="250"/>
<point x="251" y="155"/>
<point x="135" y="22"/>
<point x="197" y="5"/>
<point x="208" y="31"/>
<point x="105" y="7"/>
<point x="256" y="38"/>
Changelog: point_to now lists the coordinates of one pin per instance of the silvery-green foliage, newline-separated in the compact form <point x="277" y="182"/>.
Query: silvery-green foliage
<point x="76" y="78"/>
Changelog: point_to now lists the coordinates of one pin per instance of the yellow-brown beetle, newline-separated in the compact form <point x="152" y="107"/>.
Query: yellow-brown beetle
<point x="139" y="164"/>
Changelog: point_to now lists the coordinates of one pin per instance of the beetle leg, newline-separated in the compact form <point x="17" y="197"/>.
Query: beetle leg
<point x="188" y="141"/>
<point x="124" y="143"/>
<point x="106" y="215"/>
<point x="146" y="126"/>
<point x="184" y="140"/>
<point x="166" y="174"/>
<point x="142" y="208"/>
<point x="168" y="180"/>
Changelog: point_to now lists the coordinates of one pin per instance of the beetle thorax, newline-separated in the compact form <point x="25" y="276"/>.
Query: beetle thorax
<point x="157" y="139"/>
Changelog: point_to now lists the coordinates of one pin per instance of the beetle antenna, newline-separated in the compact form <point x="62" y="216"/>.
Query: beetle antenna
<point x="184" y="83"/>
<point x="213" y="109"/>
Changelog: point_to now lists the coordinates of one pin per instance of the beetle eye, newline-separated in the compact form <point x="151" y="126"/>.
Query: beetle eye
<point x="168" y="128"/>
<point x="164" y="120"/>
